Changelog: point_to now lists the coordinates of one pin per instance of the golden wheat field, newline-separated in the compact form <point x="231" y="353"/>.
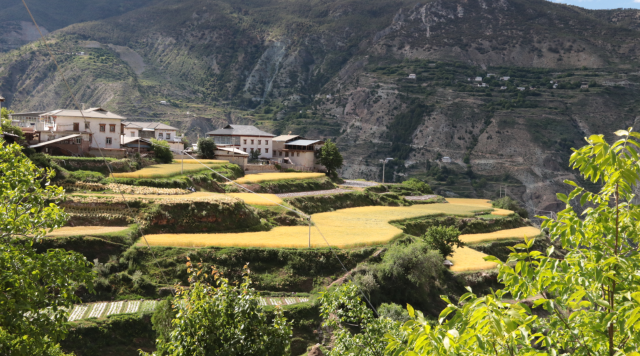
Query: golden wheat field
<point x="84" y="230"/>
<point x="249" y="198"/>
<point x="257" y="199"/>
<point x="483" y="203"/>
<point x="263" y="177"/>
<point x="521" y="232"/>
<point x="342" y="228"/>
<point x="161" y="171"/>
<point x="467" y="259"/>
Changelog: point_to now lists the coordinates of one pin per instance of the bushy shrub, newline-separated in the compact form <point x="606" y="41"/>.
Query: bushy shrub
<point x="415" y="263"/>
<point x="443" y="239"/>
<point x="162" y="151"/>
<point x="206" y="147"/>
<point x="87" y="176"/>
<point x="394" y="312"/>
<point x="510" y="204"/>
<point x="418" y="185"/>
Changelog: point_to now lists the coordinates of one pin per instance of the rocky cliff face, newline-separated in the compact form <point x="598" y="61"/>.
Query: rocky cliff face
<point x="340" y="70"/>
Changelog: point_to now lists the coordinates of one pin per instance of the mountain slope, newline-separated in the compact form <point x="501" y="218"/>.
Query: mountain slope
<point x="338" y="69"/>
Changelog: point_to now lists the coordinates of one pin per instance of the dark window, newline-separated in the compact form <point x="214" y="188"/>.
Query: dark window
<point x="112" y="128"/>
<point x="86" y="125"/>
<point x="103" y="127"/>
<point x="76" y="126"/>
<point x="266" y="150"/>
<point x="108" y="140"/>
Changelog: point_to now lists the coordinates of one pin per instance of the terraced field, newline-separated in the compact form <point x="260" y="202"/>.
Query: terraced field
<point x="249" y="198"/>
<point x="521" y="233"/>
<point x="166" y="170"/>
<point x="85" y="230"/>
<point x="342" y="228"/>
<point x="263" y="177"/>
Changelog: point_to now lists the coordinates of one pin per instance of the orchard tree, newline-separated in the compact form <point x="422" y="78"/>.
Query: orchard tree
<point x="222" y="319"/>
<point x="591" y="296"/>
<point x="36" y="289"/>
<point x="355" y="328"/>
<point x="443" y="239"/>
<point x="207" y="147"/>
<point x="330" y="157"/>
<point x="162" y="151"/>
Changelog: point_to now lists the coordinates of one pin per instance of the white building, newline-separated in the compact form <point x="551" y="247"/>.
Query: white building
<point x="503" y="88"/>
<point x="505" y="78"/>
<point x="156" y="130"/>
<point x="244" y="137"/>
<point x="522" y="88"/>
<point x="478" y="79"/>
<point x="446" y="159"/>
<point x="412" y="76"/>
<point x="72" y="132"/>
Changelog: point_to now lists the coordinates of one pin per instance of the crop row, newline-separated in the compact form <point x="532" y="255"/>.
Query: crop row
<point x="103" y="309"/>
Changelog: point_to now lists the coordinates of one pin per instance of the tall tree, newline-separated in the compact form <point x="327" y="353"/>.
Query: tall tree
<point x="36" y="290"/>
<point x="207" y="147"/>
<point x="221" y="319"/>
<point x="330" y="157"/>
<point x="591" y="296"/>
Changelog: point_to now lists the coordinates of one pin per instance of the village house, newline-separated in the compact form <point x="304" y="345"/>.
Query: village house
<point x="505" y="78"/>
<point x="73" y="132"/>
<point x="446" y="160"/>
<point x="247" y="138"/>
<point x="298" y="151"/>
<point x="157" y="130"/>
<point x="478" y="79"/>
<point x="412" y="76"/>
<point x="522" y="88"/>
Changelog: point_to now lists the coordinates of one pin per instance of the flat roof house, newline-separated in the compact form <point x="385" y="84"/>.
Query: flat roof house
<point x="66" y="131"/>
<point x="157" y="130"/>
<point x="247" y="138"/>
<point x="298" y="151"/>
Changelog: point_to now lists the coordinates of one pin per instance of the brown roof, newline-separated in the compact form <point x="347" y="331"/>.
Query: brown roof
<point x="285" y="137"/>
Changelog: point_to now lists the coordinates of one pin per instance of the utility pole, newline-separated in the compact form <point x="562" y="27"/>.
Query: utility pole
<point x="182" y="168"/>
<point x="384" y="162"/>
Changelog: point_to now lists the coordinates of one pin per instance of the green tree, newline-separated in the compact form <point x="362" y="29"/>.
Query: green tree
<point x="36" y="289"/>
<point x="418" y="185"/>
<point x="162" y="151"/>
<point x="330" y="157"/>
<point x="206" y="147"/>
<point x="254" y="155"/>
<point x="591" y="296"/>
<point x="356" y="331"/>
<point x="221" y="319"/>
<point x="443" y="239"/>
<point x="510" y="204"/>
<point x="7" y="126"/>
<point x="186" y="144"/>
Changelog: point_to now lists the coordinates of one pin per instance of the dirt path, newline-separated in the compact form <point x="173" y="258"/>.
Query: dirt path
<point x="421" y="197"/>
<point x="316" y="192"/>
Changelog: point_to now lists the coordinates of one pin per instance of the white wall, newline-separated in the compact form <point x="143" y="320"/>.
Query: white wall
<point x="264" y="143"/>
<point x="65" y="123"/>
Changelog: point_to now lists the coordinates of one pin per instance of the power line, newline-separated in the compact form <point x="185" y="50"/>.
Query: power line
<point x="122" y="194"/>
<point x="309" y="217"/>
